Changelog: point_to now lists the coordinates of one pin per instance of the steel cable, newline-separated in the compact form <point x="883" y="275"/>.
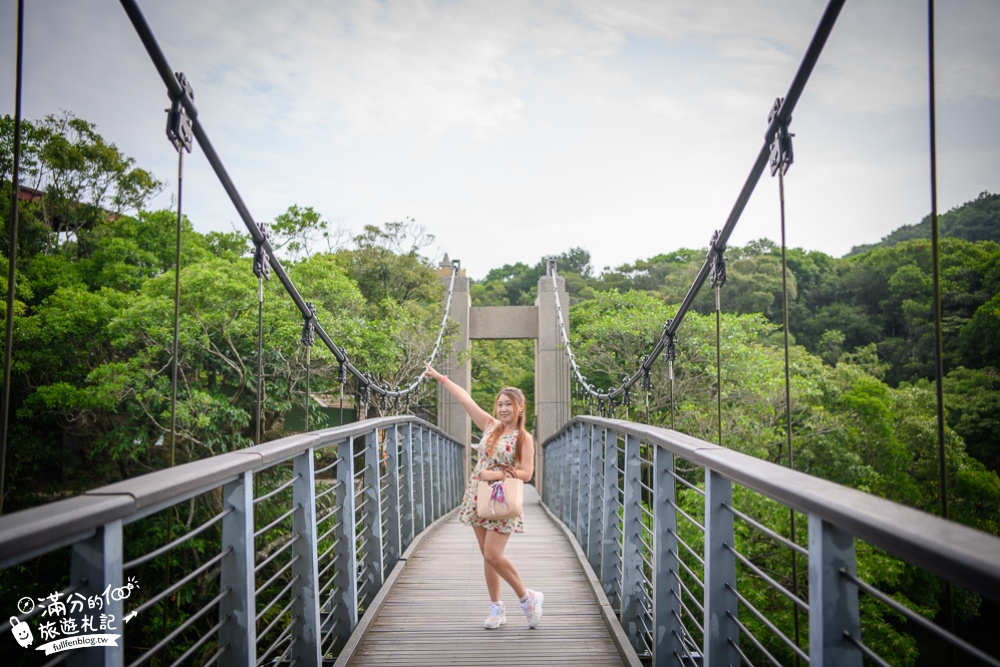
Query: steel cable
<point x="15" y="194"/>
<point x="781" y="117"/>
<point x="175" y="91"/>
<point x="781" y="159"/>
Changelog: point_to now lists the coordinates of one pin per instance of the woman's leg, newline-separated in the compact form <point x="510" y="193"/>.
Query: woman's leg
<point x="492" y="578"/>
<point x="493" y="545"/>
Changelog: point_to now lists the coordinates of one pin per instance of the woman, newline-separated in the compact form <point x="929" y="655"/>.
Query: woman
<point x="506" y="450"/>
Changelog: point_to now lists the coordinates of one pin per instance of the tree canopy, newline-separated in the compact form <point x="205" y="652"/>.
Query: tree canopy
<point x="93" y="339"/>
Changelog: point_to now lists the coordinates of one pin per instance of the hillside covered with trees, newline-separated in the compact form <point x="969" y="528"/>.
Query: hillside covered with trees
<point x="90" y="400"/>
<point x="93" y="330"/>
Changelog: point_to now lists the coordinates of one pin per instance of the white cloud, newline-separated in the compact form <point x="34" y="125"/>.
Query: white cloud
<point x="626" y="128"/>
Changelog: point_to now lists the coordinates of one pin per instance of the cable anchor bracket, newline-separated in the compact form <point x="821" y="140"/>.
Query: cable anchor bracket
<point x="718" y="260"/>
<point x="261" y="262"/>
<point x="180" y="126"/>
<point x="782" y="154"/>
<point x="309" y="327"/>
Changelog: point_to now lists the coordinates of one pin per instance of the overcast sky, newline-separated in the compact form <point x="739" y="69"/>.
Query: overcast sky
<point x="520" y="128"/>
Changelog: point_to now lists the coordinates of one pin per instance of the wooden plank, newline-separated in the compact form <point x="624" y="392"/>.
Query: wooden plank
<point x="434" y="614"/>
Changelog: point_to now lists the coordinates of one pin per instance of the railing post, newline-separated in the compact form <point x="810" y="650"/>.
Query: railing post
<point x="372" y="523"/>
<point x="666" y="575"/>
<point x="345" y="569"/>
<point x="456" y="469"/>
<point x="546" y="473"/>
<point x="833" y="600"/>
<point x="393" y="531"/>
<point x="456" y="472"/>
<point x="446" y="475"/>
<point x="305" y="607"/>
<point x="584" y="496"/>
<point x="721" y="632"/>
<point x="557" y="477"/>
<point x="438" y="475"/>
<point x="609" y="527"/>
<point x="419" y="487"/>
<point x="238" y="609"/>
<point x="99" y="560"/>
<point x="631" y="586"/>
<point x="566" y="488"/>
<point x="431" y="492"/>
<point x="573" y="488"/>
<point x="408" y="518"/>
<point x="596" y="493"/>
<point x="427" y="465"/>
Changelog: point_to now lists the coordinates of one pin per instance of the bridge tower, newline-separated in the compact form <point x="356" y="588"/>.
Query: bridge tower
<point x="539" y="322"/>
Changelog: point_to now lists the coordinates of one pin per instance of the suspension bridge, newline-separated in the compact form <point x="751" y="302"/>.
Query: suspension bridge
<point x="340" y="546"/>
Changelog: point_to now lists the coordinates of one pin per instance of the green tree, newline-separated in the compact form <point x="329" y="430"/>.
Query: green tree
<point x="297" y="232"/>
<point x="387" y="265"/>
<point x="972" y="397"/>
<point x="83" y="180"/>
<point x="500" y="363"/>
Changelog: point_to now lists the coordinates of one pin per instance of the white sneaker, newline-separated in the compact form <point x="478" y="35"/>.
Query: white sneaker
<point x="532" y="608"/>
<point x="496" y="618"/>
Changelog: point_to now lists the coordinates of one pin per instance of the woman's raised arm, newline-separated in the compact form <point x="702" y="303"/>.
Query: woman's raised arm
<point x="480" y="417"/>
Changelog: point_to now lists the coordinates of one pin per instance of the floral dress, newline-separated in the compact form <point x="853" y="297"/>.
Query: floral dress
<point x="505" y="454"/>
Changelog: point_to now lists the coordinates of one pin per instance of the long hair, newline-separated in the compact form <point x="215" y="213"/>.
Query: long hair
<point x="517" y="397"/>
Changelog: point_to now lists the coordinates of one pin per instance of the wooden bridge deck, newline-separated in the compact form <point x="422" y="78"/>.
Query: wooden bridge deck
<point x="432" y="613"/>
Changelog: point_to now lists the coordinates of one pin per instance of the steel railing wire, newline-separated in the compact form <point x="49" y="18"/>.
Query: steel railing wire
<point x="690" y="576"/>
<point x="271" y="550"/>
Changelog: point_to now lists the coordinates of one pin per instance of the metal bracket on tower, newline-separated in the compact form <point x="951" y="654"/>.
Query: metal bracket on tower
<point x="342" y="370"/>
<point x="261" y="263"/>
<point x="718" y="261"/>
<point x="782" y="155"/>
<point x="308" y="329"/>
<point x="179" y="125"/>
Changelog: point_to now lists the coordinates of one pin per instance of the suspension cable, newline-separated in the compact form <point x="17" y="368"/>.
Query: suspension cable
<point x="179" y="135"/>
<point x="262" y="270"/>
<point x="342" y="379"/>
<point x="15" y="195"/>
<point x="718" y="276"/>
<point x="938" y="335"/>
<point x="808" y="63"/>
<point x="782" y="157"/>
<point x="781" y="118"/>
<point x="174" y="90"/>
<point x="308" y="338"/>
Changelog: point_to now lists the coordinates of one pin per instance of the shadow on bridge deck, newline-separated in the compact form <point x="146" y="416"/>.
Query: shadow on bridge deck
<point x="432" y="611"/>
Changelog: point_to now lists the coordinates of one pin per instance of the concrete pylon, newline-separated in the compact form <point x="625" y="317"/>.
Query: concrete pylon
<point x="455" y="363"/>
<point x="552" y="371"/>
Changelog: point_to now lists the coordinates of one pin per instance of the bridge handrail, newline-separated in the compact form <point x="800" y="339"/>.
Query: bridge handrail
<point x="927" y="540"/>
<point x="390" y="478"/>
<point x="40" y="529"/>
<point x="576" y="481"/>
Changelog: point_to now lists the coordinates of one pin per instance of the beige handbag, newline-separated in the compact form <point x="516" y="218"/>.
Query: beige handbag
<point x="502" y="499"/>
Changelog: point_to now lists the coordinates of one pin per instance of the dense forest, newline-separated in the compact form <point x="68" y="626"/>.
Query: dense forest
<point x="91" y="376"/>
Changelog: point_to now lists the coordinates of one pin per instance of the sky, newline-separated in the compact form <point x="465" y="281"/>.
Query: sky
<point x="519" y="129"/>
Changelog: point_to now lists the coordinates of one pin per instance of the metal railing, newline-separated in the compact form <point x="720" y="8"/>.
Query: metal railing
<point x="285" y="546"/>
<point x="676" y="530"/>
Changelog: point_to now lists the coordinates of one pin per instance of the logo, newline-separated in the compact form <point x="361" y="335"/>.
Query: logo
<point x="22" y="632"/>
<point x="65" y="622"/>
